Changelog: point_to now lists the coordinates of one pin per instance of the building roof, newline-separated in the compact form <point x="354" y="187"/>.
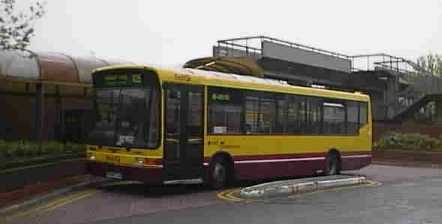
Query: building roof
<point x="50" y="67"/>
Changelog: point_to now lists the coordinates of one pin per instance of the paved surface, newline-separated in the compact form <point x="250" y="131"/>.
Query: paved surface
<point x="407" y="195"/>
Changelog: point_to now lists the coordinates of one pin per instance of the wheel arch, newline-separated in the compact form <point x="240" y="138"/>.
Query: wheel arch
<point x="335" y="151"/>
<point x="227" y="158"/>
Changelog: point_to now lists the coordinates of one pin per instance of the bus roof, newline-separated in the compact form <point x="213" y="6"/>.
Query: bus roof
<point x="211" y="78"/>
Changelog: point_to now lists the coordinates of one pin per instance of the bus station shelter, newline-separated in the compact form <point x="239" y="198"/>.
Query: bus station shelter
<point x="46" y="96"/>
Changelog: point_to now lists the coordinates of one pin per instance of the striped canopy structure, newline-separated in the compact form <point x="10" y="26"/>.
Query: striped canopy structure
<point x="45" y="67"/>
<point x="236" y="65"/>
<point x="45" y="96"/>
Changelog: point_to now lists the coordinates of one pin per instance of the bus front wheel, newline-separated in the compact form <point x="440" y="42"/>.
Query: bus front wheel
<point x="218" y="174"/>
<point x="332" y="166"/>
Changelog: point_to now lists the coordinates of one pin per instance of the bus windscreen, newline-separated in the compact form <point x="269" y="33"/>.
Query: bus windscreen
<point x="126" y="109"/>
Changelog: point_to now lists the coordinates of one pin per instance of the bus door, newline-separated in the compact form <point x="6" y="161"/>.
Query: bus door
<point x="183" y="145"/>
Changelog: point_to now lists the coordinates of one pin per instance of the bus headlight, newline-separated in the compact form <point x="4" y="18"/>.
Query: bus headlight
<point x="139" y="161"/>
<point x="90" y="156"/>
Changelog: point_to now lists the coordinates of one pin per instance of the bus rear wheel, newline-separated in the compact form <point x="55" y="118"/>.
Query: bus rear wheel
<point x="218" y="174"/>
<point x="332" y="165"/>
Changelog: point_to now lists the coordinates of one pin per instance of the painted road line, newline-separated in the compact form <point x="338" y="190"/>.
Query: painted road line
<point x="53" y="194"/>
<point x="37" y="209"/>
<point x="65" y="199"/>
<point x="229" y="195"/>
<point x="71" y="200"/>
<point x="52" y="203"/>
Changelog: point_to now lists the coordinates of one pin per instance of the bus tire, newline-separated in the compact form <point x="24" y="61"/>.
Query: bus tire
<point x="332" y="164"/>
<point x="218" y="173"/>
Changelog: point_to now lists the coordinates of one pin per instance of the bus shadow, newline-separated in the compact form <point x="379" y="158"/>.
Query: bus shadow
<point x="140" y="189"/>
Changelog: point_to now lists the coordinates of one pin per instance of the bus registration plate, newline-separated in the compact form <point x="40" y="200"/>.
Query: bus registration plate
<point x="113" y="158"/>
<point x="114" y="175"/>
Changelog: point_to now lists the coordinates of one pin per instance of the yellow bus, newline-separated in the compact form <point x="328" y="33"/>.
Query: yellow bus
<point x="168" y="126"/>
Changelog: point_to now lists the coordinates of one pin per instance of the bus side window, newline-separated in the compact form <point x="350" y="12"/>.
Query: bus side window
<point x="363" y="114"/>
<point x="225" y="111"/>
<point x="281" y="114"/>
<point x="267" y="110"/>
<point x="252" y="115"/>
<point x="352" y="117"/>
<point x="334" y="118"/>
<point x="260" y="109"/>
<point x="314" y="116"/>
<point x="295" y="114"/>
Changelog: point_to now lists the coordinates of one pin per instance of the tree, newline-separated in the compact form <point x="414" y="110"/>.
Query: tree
<point x="17" y="25"/>
<point x="431" y="63"/>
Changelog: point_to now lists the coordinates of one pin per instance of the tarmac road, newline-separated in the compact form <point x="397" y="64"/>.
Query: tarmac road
<point x="407" y="195"/>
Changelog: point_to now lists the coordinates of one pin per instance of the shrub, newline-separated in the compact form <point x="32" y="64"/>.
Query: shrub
<point x="409" y="141"/>
<point x="3" y="150"/>
<point x="74" y="148"/>
<point x="52" y="147"/>
<point x="17" y="149"/>
<point x="26" y="149"/>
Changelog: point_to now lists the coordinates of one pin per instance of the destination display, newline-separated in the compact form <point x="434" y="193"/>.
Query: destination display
<point x="118" y="80"/>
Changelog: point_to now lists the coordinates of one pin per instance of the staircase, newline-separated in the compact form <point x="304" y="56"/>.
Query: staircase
<point x="421" y="91"/>
<point x="419" y="86"/>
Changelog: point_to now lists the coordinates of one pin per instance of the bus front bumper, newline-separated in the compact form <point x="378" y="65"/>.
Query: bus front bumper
<point x="146" y="175"/>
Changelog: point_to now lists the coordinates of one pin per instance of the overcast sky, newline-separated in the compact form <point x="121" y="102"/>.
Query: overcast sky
<point x="171" y="32"/>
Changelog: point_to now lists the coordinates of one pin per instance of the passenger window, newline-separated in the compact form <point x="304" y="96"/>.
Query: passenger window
<point x="281" y="120"/>
<point x="268" y="113"/>
<point x="295" y="114"/>
<point x="252" y="117"/>
<point x="225" y="111"/>
<point x="260" y="113"/>
<point x="236" y="111"/>
<point x="314" y="116"/>
<point x="334" y="118"/>
<point x="363" y="114"/>
<point x="352" y="117"/>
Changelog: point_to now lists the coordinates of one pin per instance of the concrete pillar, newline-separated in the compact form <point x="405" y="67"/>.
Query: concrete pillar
<point x="438" y="115"/>
<point x="39" y="112"/>
<point x="60" y="116"/>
